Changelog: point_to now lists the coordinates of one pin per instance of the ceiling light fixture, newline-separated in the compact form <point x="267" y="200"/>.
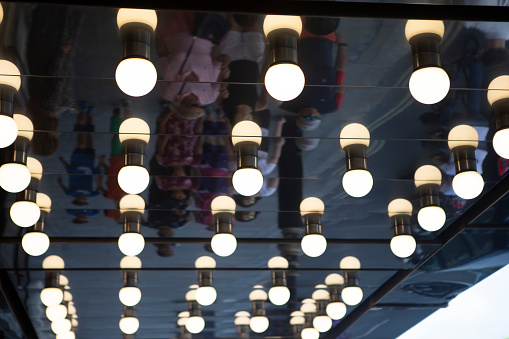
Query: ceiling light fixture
<point x="429" y="83"/>
<point x="259" y="322"/>
<point x="52" y="294"/>
<point x="131" y="242"/>
<point x="284" y="79"/>
<point x="498" y="97"/>
<point x="61" y="326"/>
<point x="195" y="323"/>
<point x="134" y="134"/>
<point x="242" y="321"/>
<point x="25" y="212"/>
<point x="129" y="324"/>
<point x="321" y="322"/>
<point x="309" y="310"/>
<point x="313" y="244"/>
<point x="205" y="294"/>
<point x="402" y="244"/>
<point x="15" y="175"/>
<point x="246" y="138"/>
<point x="297" y="321"/>
<point x="66" y="335"/>
<point x="354" y="139"/>
<point x="136" y="75"/>
<point x="57" y="312"/>
<point x="279" y="294"/>
<point x="351" y="293"/>
<point x="223" y="243"/>
<point x="336" y="309"/>
<point x="463" y="141"/>
<point x="130" y="294"/>
<point x="431" y="216"/>
<point x="36" y="242"/>
<point x="181" y="322"/>
<point x="10" y="81"/>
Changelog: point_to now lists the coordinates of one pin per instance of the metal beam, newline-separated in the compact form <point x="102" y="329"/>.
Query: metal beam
<point x="313" y="8"/>
<point x="185" y="269"/>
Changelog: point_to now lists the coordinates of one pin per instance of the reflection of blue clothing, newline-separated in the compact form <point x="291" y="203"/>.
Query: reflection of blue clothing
<point x="82" y="171"/>
<point x="215" y="156"/>
<point x="318" y="64"/>
<point x="85" y="211"/>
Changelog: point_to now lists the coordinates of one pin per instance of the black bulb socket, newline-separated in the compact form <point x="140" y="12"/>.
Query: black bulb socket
<point x="464" y="158"/>
<point x="334" y="293"/>
<point x="259" y="308"/>
<point x="194" y="309"/>
<point x="132" y="221"/>
<point x="429" y="195"/>
<point x="501" y="109"/>
<point x="223" y="222"/>
<point x="351" y="278"/>
<point x="134" y="152"/>
<point x="136" y="40"/>
<point x="425" y="51"/>
<point x="247" y="154"/>
<point x="7" y="100"/>
<point x="283" y="46"/>
<point x="313" y="223"/>
<point x="401" y="224"/>
<point x="355" y="156"/>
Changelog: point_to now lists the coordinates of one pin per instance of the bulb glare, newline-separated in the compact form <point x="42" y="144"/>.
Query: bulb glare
<point x="357" y="183"/>
<point x="25" y="213"/>
<point x="309" y="333"/>
<point x="8" y="131"/>
<point x="35" y="243"/>
<point x="206" y="295"/>
<point x="403" y="246"/>
<point x="259" y="324"/>
<point x="51" y="296"/>
<point x="468" y="185"/>
<point x="313" y="245"/>
<point x="322" y="323"/>
<point x="136" y="77"/>
<point x="429" y="85"/>
<point x="129" y="296"/>
<point x="284" y="82"/>
<point x="223" y="244"/>
<point x="431" y="218"/>
<point x="247" y="181"/>
<point x="279" y="295"/>
<point x="336" y="310"/>
<point x="131" y="243"/>
<point x="500" y="143"/>
<point x="133" y="179"/>
<point x="351" y="295"/>
<point x="14" y="177"/>
<point x="129" y="325"/>
<point x="195" y="324"/>
<point x="61" y="326"/>
<point x="58" y="312"/>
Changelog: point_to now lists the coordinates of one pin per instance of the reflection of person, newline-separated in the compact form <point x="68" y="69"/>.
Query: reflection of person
<point x="320" y="67"/>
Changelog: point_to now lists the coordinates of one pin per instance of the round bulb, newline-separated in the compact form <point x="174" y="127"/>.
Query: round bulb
<point x="468" y="185"/>
<point x="246" y="131"/>
<point x="311" y="205"/>
<point x="334" y="279"/>
<point x="500" y="143"/>
<point x="52" y="296"/>
<point x="134" y="128"/>
<point x="349" y="263"/>
<point x="191" y="295"/>
<point x="129" y="325"/>
<point x="71" y="309"/>
<point x="321" y="294"/>
<point x="278" y="262"/>
<point x="431" y="218"/>
<point x="136" y="77"/>
<point x="279" y="295"/>
<point x="313" y="245"/>
<point x="53" y="262"/>
<point x="129" y="261"/>
<point x="336" y="310"/>
<point x="399" y="206"/>
<point x="351" y="295"/>
<point x="222" y="203"/>
<point x="35" y="168"/>
<point x="247" y="181"/>
<point x="195" y="324"/>
<point x="8" y="131"/>
<point x="357" y="183"/>
<point x="61" y="326"/>
<point x="354" y="134"/>
<point x="9" y="75"/>
<point x="132" y="15"/>
<point x="133" y="179"/>
<point x="322" y="323"/>
<point x="259" y="324"/>
<point x="131" y="202"/>
<point x="257" y="295"/>
<point x="308" y="307"/>
<point x="427" y="174"/>
<point x="242" y="314"/>
<point x="206" y="295"/>
<point x="403" y="245"/>
<point x="182" y="321"/>
<point x="429" y="85"/>
<point x="416" y="27"/>
<point x="223" y="244"/>
<point x="298" y="320"/>
<point x="25" y="126"/>
<point x="273" y="22"/>
<point x="284" y="82"/>
<point x="43" y="201"/>
<point x="66" y="335"/>
<point x="58" y="312"/>
<point x="129" y="296"/>
<point x="35" y="243"/>
<point x="205" y="262"/>
<point x="25" y="213"/>
<point x="463" y="135"/>
<point x="67" y="296"/>
<point x="309" y="333"/>
<point x="242" y="321"/>
<point x="498" y="89"/>
<point x="14" y="177"/>
<point x="131" y="243"/>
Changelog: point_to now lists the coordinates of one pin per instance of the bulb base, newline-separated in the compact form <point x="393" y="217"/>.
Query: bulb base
<point x="19" y="150"/>
<point x="224" y="222"/>
<point x="501" y="109"/>
<point x="194" y="309"/>
<point x="355" y="156"/>
<point x="52" y="279"/>
<point x="184" y="333"/>
<point x="204" y="278"/>
<point x="309" y="319"/>
<point x="134" y="152"/>
<point x="7" y="100"/>
<point x="297" y="329"/>
<point x="29" y="194"/>
<point x="258" y="308"/>
<point x="129" y="311"/>
<point x="132" y="221"/>
<point x="243" y="331"/>
<point x="429" y="195"/>
<point x="136" y="40"/>
<point x="425" y="51"/>
<point x="334" y="293"/>
<point x="464" y="159"/>
<point x="278" y="278"/>
<point x="130" y="279"/>
<point x="313" y="223"/>
<point x="351" y="278"/>
<point x="400" y="223"/>
<point x="283" y="46"/>
<point x="247" y="155"/>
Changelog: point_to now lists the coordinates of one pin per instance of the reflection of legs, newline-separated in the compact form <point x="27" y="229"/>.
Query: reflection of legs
<point x="81" y="121"/>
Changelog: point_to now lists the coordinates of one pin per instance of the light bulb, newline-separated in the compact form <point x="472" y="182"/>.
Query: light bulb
<point x="309" y="333"/>
<point x="129" y="325"/>
<point x="206" y="295"/>
<point x="131" y="202"/>
<point x="429" y="85"/>
<point x="468" y="184"/>
<point x="298" y="320"/>
<point x="246" y="131"/>
<point x="61" y="326"/>
<point x="416" y="27"/>
<point x="279" y="295"/>
<point x="242" y="314"/>
<point x="274" y="22"/>
<point x="284" y="82"/>
<point x="277" y="262"/>
<point x="131" y="243"/>
<point x="354" y="134"/>
<point x="427" y="174"/>
<point x="136" y="77"/>
<point x="357" y="183"/>
<point x="129" y="296"/>
<point x="242" y="320"/>
<point x="463" y="135"/>
<point x="67" y="296"/>
<point x="349" y="263"/>
<point x="259" y="324"/>
<point x="182" y="321"/>
<point x="43" y="201"/>
<point x="35" y="243"/>
<point x="320" y="294"/>
<point x="14" y="177"/>
<point x="205" y="262"/>
<point x="500" y="143"/>
<point x="223" y="244"/>
<point x="311" y="205"/>
<point x="25" y="126"/>
<point x="52" y="296"/>
<point x="35" y="168"/>
<point x="53" y="262"/>
<point x="58" y="312"/>
<point x="130" y="262"/>
<point x="351" y="295"/>
<point x="334" y="279"/>
<point x="399" y="206"/>
<point x="322" y="323"/>
<point x="403" y="245"/>
<point x="134" y="128"/>
<point x="195" y="324"/>
<point x="66" y="335"/>
<point x="71" y="309"/>
<point x="247" y="181"/>
<point x="133" y="179"/>
<point x="257" y="295"/>
<point x="134" y="15"/>
<point x="313" y="245"/>
<point x="25" y="213"/>
<point x="431" y="218"/>
<point x="222" y="203"/>
<point x="336" y="310"/>
<point x="10" y="76"/>
<point x="8" y="131"/>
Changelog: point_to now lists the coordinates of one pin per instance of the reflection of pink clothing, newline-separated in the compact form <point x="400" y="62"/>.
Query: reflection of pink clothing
<point x="179" y="148"/>
<point x="204" y="206"/>
<point x="199" y="62"/>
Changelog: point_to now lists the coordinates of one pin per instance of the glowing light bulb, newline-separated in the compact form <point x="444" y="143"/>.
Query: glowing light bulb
<point x="8" y="131"/>
<point x="134" y="128"/>
<point x="247" y="181"/>
<point x="468" y="184"/>
<point x="431" y="218"/>
<point x="58" y="312"/>
<point x="52" y="296"/>
<point x="500" y="142"/>
<point x="131" y="243"/>
<point x="259" y="324"/>
<point x="136" y="77"/>
<point x="35" y="243"/>
<point x="223" y="244"/>
<point x="14" y="177"/>
<point x="134" y="15"/>
<point x="66" y="335"/>
<point x="284" y="81"/>
<point x="130" y="262"/>
<point x="43" y="201"/>
<point x="352" y="295"/>
<point x="357" y="183"/>
<point x="336" y="310"/>
<point x="195" y="324"/>
<point x="61" y="326"/>
<point x="25" y="213"/>
<point x="309" y="333"/>
<point x="313" y="245"/>
<point x="349" y="263"/>
<point x="429" y="85"/>
<point x="403" y="245"/>
<point x="322" y="323"/>
<point x="206" y="295"/>
<point x="222" y="203"/>
<point x="129" y="296"/>
<point x="279" y="295"/>
<point x="274" y="22"/>
<point x="129" y="325"/>
<point x="133" y="179"/>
